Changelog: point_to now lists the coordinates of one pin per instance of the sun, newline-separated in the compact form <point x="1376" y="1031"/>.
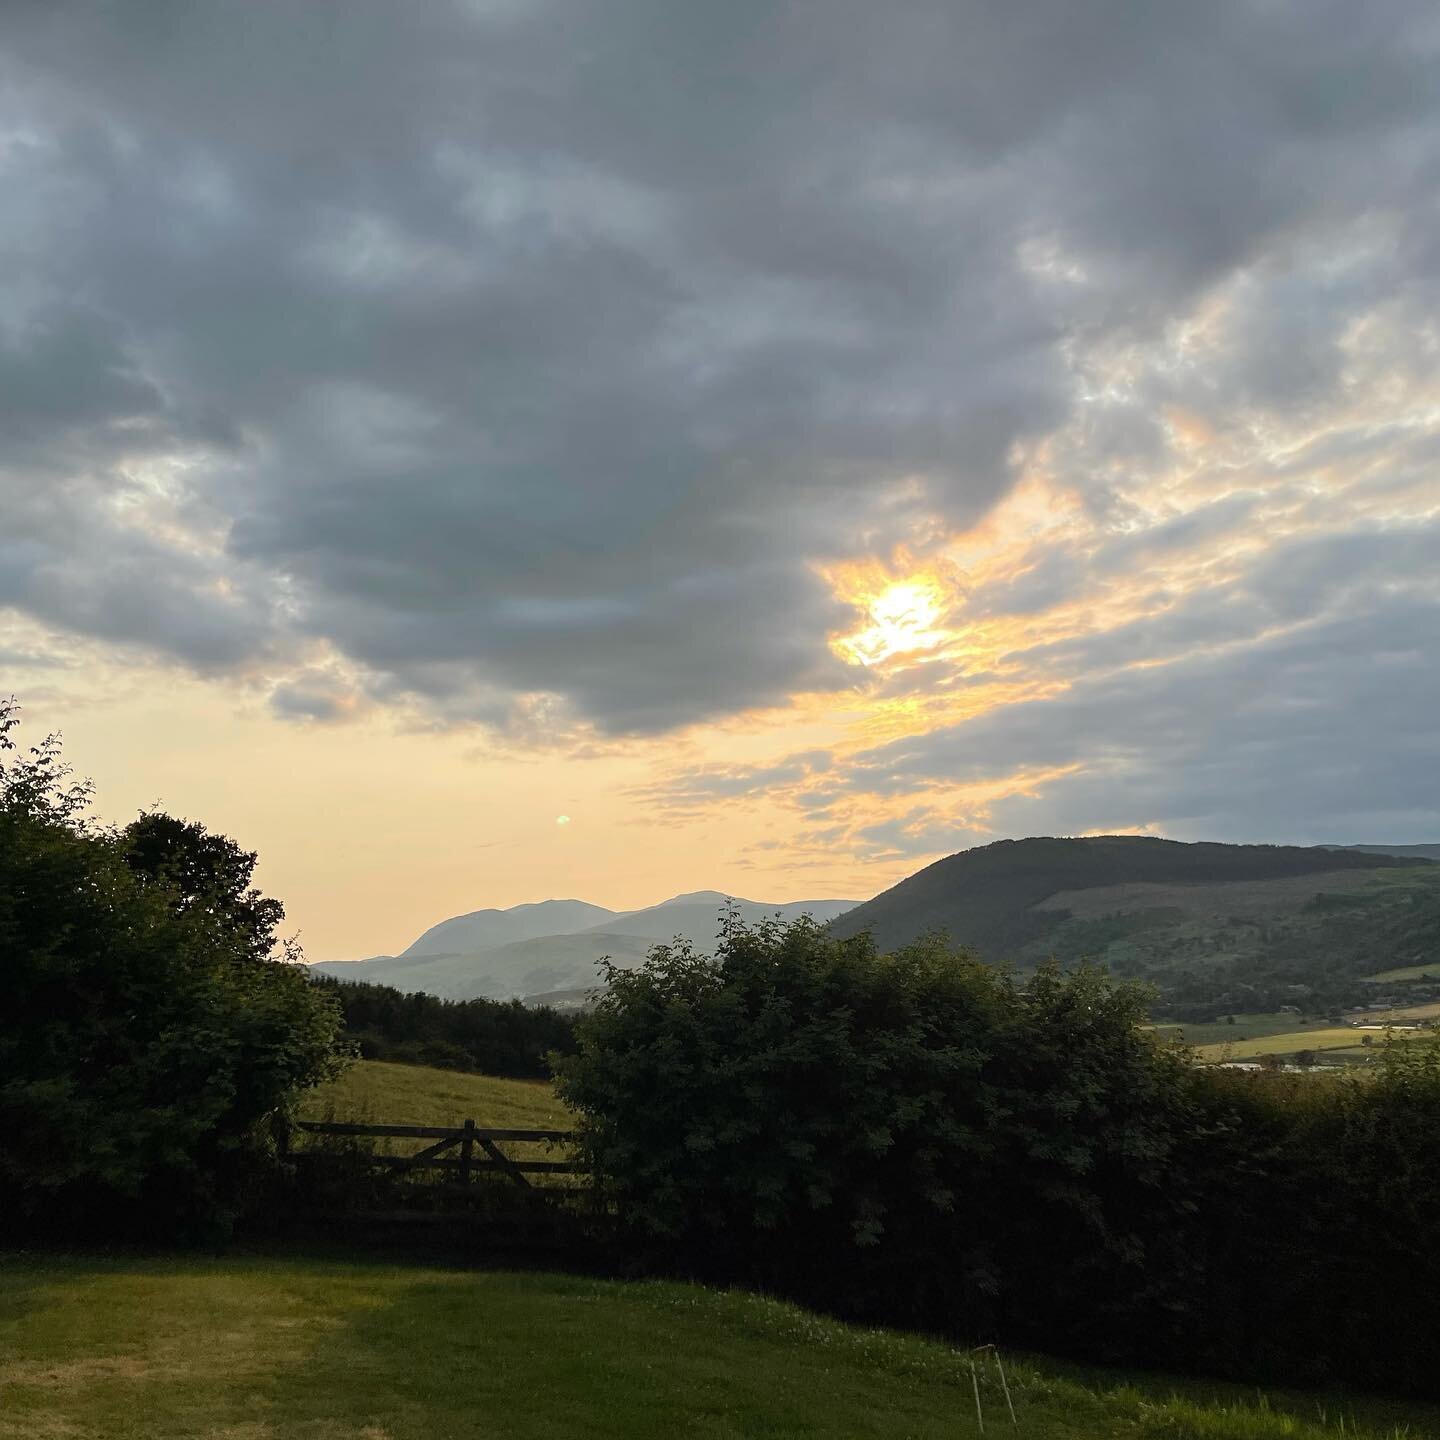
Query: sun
<point x="904" y="617"/>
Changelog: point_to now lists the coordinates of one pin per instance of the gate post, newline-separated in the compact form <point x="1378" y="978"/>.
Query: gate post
<point x="467" y="1147"/>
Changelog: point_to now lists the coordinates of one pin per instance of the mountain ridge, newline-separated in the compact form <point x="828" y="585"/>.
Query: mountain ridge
<point x="556" y="960"/>
<point x="486" y="929"/>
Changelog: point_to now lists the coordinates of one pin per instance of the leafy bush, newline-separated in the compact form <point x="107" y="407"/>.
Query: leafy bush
<point x="1320" y="1209"/>
<point x="911" y="1136"/>
<point x="143" y="1036"/>
<point x="918" y="1138"/>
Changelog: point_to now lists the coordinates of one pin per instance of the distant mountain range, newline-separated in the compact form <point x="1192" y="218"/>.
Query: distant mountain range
<point x="555" y="945"/>
<point x="1217" y="928"/>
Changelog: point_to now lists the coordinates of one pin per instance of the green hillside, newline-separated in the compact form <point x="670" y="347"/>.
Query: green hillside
<point x="1216" y="927"/>
<point x="260" y="1348"/>
<point x="986" y="897"/>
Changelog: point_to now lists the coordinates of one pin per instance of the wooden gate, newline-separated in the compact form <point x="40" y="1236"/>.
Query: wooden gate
<point x="461" y="1150"/>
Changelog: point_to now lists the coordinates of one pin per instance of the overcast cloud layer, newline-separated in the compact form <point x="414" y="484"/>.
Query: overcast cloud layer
<point x="540" y="365"/>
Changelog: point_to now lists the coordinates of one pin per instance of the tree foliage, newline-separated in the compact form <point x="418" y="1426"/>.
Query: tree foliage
<point x="144" y="1032"/>
<point x="205" y="871"/>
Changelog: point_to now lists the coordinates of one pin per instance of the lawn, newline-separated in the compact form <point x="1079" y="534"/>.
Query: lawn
<point x="376" y="1092"/>
<point x="260" y="1348"/>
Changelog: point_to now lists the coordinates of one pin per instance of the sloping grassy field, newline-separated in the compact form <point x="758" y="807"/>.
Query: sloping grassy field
<point x="259" y="1348"/>
<point x="376" y="1092"/>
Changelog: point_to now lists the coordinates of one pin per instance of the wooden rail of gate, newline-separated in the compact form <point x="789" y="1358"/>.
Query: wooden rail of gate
<point x="454" y="1149"/>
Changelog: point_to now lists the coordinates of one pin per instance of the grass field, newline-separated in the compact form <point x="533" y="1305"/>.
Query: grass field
<point x="1320" y="1038"/>
<point x="1408" y="972"/>
<point x="259" y="1348"/>
<point x="373" y="1091"/>
<point x="1246" y="1027"/>
<point x="1335" y="1041"/>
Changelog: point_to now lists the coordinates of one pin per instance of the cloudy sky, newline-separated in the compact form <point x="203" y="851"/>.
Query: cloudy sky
<point x="792" y="441"/>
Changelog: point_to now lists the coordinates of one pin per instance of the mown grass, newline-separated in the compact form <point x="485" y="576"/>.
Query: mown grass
<point x="263" y="1348"/>
<point x="376" y="1092"/>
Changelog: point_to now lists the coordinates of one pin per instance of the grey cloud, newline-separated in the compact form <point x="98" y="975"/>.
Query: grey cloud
<point x="733" y="782"/>
<point x="1297" y="580"/>
<point x="540" y="351"/>
<point x="13" y="659"/>
<point x="320" y="698"/>
<point x="1309" y="734"/>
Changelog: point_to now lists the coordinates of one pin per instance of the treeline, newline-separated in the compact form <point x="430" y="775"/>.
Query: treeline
<point x="495" y="1037"/>
<point x="919" y="1139"/>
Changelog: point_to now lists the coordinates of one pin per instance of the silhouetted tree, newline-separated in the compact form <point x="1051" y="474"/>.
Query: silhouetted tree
<point x="203" y="871"/>
<point x="142" y="1036"/>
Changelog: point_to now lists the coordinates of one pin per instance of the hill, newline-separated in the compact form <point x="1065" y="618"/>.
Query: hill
<point x="487" y="929"/>
<point x="564" y="959"/>
<point x="317" y="1348"/>
<point x="1406" y="852"/>
<point x="696" y="916"/>
<point x="1217" y="927"/>
<point x="545" y="962"/>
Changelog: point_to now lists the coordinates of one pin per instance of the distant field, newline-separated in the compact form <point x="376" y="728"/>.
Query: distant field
<point x="1246" y="1027"/>
<point x="1406" y="1014"/>
<point x="1323" y="1037"/>
<point x="255" y="1348"/>
<point x="376" y="1092"/>
<point x="1338" y="1041"/>
<point x="1408" y="972"/>
<point x="1250" y="899"/>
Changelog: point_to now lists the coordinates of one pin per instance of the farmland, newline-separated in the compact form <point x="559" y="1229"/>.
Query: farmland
<point x="264" y="1348"/>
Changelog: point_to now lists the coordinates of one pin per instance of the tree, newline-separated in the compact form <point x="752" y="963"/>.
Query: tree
<point x="497" y="1037"/>
<point x="201" y="870"/>
<point x="142" y="1038"/>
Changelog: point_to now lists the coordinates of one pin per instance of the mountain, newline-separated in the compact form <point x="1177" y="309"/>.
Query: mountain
<point x="564" y="959"/>
<point x="1218" y="928"/>
<point x="696" y="917"/>
<point x="989" y="898"/>
<point x="486" y="929"/>
<point x="1406" y="852"/>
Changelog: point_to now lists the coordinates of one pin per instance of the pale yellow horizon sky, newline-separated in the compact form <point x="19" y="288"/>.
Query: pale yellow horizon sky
<point x="370" y="834"/>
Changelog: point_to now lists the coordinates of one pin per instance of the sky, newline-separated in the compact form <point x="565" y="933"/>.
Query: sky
<point x="495" y="449"/>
